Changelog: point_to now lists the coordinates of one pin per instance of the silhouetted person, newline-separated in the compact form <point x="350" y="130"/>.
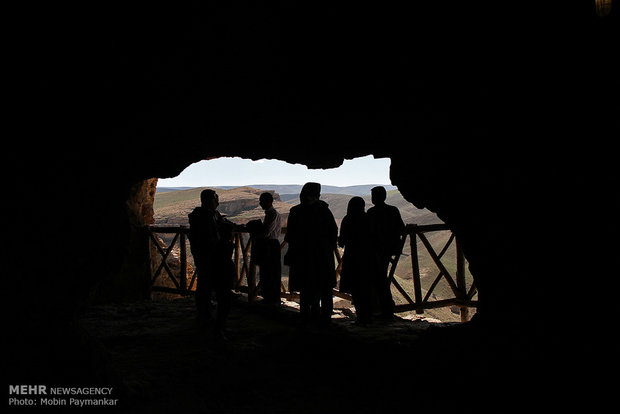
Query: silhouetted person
<point x="211" y="245"/>
<point x="266" y="239"/>
<point x="386" y="227"/>
<point x="356" y="261"/>
<point x="312" y="234"/>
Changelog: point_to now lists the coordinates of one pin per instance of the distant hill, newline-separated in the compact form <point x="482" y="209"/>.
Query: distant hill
<point x="289" y="191"/>
<point x="238" y="204"/>
<point x="354" y="190"/>
<point x="241" y="203"/>
<point x="169" y="189"/>
<point x="410" y="214"/>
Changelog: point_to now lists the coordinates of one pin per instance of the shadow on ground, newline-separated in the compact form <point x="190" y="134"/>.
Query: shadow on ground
<point x="161" y="361"/>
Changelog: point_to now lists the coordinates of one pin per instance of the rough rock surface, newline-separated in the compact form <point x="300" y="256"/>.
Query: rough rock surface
<point x="509" y="108"/>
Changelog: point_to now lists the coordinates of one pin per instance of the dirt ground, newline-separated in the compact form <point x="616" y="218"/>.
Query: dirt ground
<point x="163" y="361"/>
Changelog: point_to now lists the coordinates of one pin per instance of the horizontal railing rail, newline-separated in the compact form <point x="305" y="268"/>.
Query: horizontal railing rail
<point x="183" y="282"/>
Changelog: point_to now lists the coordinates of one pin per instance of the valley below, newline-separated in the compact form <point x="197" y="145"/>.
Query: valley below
<point x="240" y="205"/>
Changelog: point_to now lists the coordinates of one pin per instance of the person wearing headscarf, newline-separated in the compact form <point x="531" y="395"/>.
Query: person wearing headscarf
<point x="356" y="260"/>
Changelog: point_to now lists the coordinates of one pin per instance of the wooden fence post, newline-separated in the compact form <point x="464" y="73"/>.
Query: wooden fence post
<point x="183" y="270"/>
<point x="417" y="286"/>
<point x="460" y="280"/>
<point x="251" y="276"/>
<point x="237" y="259"/>
<point x="149" y="264"/>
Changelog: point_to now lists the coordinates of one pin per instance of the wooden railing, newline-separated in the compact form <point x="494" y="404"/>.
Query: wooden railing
<point x="463" y="295"/>
<point x="184" y="281"/>
<point x="181" y="285"/>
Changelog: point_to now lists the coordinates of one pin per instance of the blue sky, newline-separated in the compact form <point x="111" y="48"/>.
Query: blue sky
<point x="238" y="171"/>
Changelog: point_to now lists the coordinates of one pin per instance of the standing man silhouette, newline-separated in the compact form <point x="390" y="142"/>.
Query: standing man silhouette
<point x="210" y="237"/>
<point x="270" y="264"/>
<point x="386" y="228"/>
<point x="311" y="234"/>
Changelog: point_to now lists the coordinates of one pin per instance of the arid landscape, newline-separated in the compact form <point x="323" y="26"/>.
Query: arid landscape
<point x="240" y="205"/>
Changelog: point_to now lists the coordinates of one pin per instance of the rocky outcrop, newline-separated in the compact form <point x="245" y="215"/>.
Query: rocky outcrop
<point x="240" y="200"/>
<point x="238" y="204"/>
<point x="140" y="202"/>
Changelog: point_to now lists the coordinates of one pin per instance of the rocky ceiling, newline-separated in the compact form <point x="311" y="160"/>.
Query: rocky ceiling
<point x="496" y="116"/>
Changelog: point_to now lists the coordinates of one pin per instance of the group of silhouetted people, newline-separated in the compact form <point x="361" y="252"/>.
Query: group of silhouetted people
<point x="369" y="239"/>
<point x="211" y="244"/>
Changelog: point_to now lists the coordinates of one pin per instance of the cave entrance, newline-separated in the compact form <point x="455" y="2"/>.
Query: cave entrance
<point x="435" y="274"/>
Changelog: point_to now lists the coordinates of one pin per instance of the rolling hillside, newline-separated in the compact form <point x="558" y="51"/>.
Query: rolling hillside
<point x="240" y="204"/>
<point x="294" y="189"/>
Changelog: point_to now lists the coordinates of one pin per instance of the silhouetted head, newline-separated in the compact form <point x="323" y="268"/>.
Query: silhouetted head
<point x="209" y="199"/>
<point x="310" y="192"/>
<point x="378" y="195"/>
<point x="265" y="200"/>
<point x="356" y="206"/>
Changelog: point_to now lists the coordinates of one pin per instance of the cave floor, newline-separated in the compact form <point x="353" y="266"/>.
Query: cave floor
<point x="162" y="361"/>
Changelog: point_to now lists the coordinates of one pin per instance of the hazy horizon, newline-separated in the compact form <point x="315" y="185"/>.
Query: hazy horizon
<point x="236" y="172"/>
<point x="270" y="184"/>
<point x="290" y="189"/>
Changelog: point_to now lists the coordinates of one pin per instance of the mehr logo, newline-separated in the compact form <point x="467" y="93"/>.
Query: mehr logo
<point x="37" y="395"/>
<point x="27" y="389"/>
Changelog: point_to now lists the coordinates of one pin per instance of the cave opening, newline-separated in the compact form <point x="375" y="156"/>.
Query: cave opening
<point x="224" y="172"/>
<point x="239" y="182"/>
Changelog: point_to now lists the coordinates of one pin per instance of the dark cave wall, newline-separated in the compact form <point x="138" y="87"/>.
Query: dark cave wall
<point x="488" y="113"/>
<point x="131" y="281"/>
